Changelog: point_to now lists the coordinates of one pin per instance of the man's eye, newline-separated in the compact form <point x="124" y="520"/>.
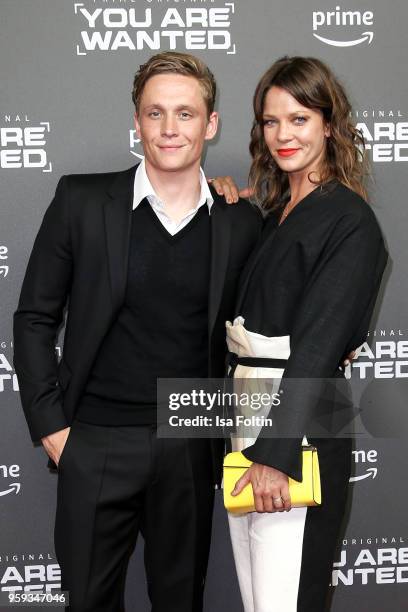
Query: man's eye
<point x="154" y="114"/>
<point x="185" y="115"/>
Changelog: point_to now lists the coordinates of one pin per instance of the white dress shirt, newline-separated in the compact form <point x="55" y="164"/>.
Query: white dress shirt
<point x="144" y="189"/>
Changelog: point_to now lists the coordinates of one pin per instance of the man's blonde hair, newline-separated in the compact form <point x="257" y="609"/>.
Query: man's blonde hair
<point x="171" y="62"/>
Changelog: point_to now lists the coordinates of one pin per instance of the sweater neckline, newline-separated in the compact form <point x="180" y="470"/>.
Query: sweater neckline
<point x="159" y="225"/>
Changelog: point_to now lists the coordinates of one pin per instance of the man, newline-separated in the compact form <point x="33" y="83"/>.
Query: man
<point x="148" y="261"/>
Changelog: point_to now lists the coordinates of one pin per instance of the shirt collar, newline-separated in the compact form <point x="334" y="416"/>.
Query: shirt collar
<point x="144" y="189"/>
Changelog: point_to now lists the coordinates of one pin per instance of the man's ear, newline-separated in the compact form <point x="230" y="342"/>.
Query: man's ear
<point x="137" y="126"/>
<point x="212" y="126"/>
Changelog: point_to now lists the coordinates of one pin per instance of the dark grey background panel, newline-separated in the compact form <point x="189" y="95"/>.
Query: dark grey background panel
<point x="66" y="108"/>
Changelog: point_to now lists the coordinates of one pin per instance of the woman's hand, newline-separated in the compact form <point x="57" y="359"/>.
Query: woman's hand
<point x="226" y="186"/>
<point x="270" y="487"/>
<point x="349" y="358"/>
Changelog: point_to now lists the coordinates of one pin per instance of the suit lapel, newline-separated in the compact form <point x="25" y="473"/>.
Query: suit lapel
<point x="220" y="248"/>
<point x="118" y="211"/>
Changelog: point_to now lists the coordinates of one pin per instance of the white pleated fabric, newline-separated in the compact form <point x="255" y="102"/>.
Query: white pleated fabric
<point x="267" y="547"/>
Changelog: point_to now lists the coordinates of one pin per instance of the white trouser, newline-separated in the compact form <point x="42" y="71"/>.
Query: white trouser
<point x="268" y="553"/>
<point x="267" y="547"/>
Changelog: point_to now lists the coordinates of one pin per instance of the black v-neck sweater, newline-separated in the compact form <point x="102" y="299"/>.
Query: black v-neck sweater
<point x="161" y="329"/>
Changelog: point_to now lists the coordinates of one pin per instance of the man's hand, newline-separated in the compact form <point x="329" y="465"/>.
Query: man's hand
<point x="54" y="444"/>
<point x="270" y="487"/>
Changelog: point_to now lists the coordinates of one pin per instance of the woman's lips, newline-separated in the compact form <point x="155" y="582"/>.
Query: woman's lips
<point x="287" y="152"/>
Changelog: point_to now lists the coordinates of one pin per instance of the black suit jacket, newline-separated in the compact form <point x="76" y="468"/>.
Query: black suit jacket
<point x="80" y="258"/>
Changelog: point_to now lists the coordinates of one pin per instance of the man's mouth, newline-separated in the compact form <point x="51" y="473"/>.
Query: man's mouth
<point x="170" y="148"/>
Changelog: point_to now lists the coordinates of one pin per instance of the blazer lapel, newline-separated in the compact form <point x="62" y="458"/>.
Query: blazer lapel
<point x="220" y="247"/>
<point x="118" y="211"/>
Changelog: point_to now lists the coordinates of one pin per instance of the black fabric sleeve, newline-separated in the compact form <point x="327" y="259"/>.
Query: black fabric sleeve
<point x="337" y="302"/>
<point x="38" y="317"/>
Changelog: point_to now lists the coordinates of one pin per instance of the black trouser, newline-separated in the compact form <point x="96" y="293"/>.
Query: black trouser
<point x="117" y="481"/>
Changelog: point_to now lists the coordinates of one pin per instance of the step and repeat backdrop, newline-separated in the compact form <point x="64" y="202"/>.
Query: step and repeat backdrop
<point x="65" y="107"/>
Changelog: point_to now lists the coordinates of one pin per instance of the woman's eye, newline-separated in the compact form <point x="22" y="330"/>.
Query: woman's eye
<point x="269" y="122"/>
<point x="300" y="120"/>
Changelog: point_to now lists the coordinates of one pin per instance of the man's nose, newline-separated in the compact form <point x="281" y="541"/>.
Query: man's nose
<point x="169" y="125"/>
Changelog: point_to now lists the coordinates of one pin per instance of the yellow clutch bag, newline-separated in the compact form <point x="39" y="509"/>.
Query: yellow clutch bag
<point x="305" y="493"/>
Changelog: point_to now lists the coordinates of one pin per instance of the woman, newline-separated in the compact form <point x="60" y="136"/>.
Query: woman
<point x="306" y="297"/>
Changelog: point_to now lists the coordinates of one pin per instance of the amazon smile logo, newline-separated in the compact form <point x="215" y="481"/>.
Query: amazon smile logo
<point x="10" y="471"/>
<point x="334" y="23"/>
<point x="361" y="458"/>
<point x="370" y="473"/>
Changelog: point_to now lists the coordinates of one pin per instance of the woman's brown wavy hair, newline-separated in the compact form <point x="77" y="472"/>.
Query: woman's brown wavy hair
<point x="314" y="86"/>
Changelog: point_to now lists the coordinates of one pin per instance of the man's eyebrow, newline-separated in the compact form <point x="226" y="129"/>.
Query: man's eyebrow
<point x="154" y="106"/>
<point x="185" y="106"/>
<point x="177" y="108"/>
